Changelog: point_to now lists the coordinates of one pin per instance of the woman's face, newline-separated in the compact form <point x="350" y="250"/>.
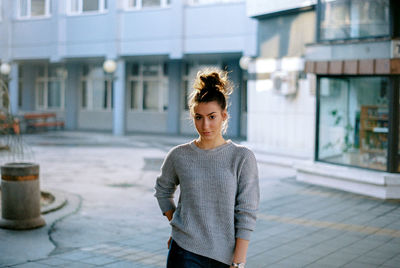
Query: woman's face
<point x="208" y="119"/>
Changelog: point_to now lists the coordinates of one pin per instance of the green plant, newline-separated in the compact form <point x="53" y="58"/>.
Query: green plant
<point x="347" y="144"/>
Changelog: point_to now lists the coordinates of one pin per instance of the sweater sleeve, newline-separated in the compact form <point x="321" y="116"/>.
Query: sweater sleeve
<point x="247" y="198"/>
<point x="166" y="184"/>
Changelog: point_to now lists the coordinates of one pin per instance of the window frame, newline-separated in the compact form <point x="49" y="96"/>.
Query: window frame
<point x="212" y="2"/>
<point x="45" y="80"/>
<point x="139" y="5"/>
<point x="318" y="28"/>
<point x="393" y="118"/>
<point x="102" y="8"/>
<point x="47" y="10"/>
<point x="162" y="80"/>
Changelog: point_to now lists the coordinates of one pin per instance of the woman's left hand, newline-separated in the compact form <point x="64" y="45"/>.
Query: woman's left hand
<point x="169" y="242"/>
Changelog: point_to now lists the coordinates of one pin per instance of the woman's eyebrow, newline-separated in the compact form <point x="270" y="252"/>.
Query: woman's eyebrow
<point x="208" y="114"/>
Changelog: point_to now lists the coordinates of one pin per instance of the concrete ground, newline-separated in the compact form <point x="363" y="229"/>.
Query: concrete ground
<point x="112" y="219"/>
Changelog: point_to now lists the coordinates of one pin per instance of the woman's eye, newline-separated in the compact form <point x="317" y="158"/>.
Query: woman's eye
<point x="198" y="117"/>
<point x="212" y="116"/>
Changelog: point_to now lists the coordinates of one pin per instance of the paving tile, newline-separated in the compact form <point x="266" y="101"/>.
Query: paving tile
<point x="54" y="261"/>
<point x="262" y="260"/>
<point x="99" y="260"/>
<point x="32" y="265"/>
<point x="77" y="264"/>
<point x="372" y="260"/>
<point x="321" y="265"/>
<point x="123" y="264"/>
<point x="355" y="264"/>
<point x="393" y="262"/>
<point x="75" y="255"/>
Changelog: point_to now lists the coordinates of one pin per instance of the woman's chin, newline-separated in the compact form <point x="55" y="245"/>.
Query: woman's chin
<point x="207" y="137"/>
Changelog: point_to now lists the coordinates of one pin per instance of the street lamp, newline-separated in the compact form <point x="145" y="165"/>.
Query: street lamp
<point x="244" y="62"/>
<point x="109" y="66"/>
<point x="5" y="68"/>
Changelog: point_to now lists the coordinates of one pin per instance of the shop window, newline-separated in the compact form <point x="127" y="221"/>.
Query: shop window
<point x="347" y="19"/>
<point x="50" y="87"/>
<point x="33" y="8"/>
<point x="138" y="4"/>
<point x="76" y="7"/>
<point x="354" y="121"/>
<point x="96" y="89"/>
<point x="147" y="87"/>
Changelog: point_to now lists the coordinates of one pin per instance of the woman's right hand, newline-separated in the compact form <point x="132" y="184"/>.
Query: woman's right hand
<point x="169" y="214"/>
<point x="169" y="242"/>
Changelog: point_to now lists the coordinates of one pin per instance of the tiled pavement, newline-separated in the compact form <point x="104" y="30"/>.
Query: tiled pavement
<point x="299" y="226"/>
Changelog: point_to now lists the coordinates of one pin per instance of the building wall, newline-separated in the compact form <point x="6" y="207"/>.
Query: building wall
<point x="120" y="32"/>
<point x="286" y="36"/>
<point x="278" y="123"/>
<point x="178" y="32"/>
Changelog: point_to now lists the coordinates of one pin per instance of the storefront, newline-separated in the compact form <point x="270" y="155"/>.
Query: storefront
<point x="355" y="63"/>
<point x="357" y="119"/>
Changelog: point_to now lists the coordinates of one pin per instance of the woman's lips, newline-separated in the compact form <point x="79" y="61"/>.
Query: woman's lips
<point x="207" y="133"/>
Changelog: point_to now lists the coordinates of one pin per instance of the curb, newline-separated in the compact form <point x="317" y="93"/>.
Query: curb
<point x="60" y="200"/>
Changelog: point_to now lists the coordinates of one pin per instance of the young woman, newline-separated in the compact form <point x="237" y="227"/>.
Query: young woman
<point x="219" y="190"/>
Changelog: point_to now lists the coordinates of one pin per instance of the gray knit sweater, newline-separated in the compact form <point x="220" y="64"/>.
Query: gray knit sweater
<point x="219" y="197"/>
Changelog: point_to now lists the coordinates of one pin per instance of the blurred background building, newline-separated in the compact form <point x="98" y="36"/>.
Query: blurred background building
<point x="317" y="81"/>
<point x="57" y="50"/>
<point x="325" y="87"/>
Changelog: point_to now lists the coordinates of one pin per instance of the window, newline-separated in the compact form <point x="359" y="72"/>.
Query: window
<point x="354" y="121"/>
<point x="50" y="86"/>
<point x="147" y="87"/>
<point x="76" y="7"/>
<point x="138" y="4"/>
<point x="346" y="19"/>
<point x="96" y="89"/>
<point x="189" y="74"/>
<point x="33" y="8"/>
<point x="206" y="2"/>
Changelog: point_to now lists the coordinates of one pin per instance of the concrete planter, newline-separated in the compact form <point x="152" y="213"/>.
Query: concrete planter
<point x="20" y="196"/>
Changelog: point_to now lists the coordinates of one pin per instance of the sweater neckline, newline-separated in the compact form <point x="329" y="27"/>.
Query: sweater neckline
<point x="218" y="148"/>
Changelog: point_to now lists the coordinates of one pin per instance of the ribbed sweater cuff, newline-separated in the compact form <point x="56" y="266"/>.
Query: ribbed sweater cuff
<point x="166" y="204"/>
<point x="243" y="234"/>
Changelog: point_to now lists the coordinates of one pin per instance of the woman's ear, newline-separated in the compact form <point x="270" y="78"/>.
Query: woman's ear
<point x="224" y="114"/>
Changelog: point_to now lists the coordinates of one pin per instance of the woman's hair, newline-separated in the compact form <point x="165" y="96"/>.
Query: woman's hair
<point x="211" y="84"/>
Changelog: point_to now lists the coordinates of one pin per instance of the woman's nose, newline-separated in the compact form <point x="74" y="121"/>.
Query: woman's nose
<point x="205" y="123"/>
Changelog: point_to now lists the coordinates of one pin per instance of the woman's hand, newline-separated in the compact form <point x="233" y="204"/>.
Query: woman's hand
<point x="169" y="242"/>
<point x="169" y="214"/>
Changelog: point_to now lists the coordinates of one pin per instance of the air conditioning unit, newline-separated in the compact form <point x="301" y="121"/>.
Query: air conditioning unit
<point x="395" y="49"/>
<point x="285" y="82"/>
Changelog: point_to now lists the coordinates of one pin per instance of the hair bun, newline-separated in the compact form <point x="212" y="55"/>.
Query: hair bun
<point x="212" y="79"/>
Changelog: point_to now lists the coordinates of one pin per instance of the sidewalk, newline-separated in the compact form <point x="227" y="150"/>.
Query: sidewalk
<point x="112" y="220"/>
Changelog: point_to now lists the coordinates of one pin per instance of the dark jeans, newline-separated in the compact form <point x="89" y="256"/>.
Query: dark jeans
<point x="181" y="258"/>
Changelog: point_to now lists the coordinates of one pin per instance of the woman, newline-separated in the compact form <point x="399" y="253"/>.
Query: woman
<point x="219" y="190"/>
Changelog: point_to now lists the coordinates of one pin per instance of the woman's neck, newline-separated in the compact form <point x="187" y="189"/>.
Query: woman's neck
<point x="209" y="144"/>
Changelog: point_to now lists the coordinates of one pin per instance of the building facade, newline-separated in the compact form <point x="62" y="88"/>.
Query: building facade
<point x="57" y="50"/>
<point x="340" y="116"/>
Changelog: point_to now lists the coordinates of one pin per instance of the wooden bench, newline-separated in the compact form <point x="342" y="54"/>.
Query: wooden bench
<point x="35" y="121"/>
<point x="9" y="123"/>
